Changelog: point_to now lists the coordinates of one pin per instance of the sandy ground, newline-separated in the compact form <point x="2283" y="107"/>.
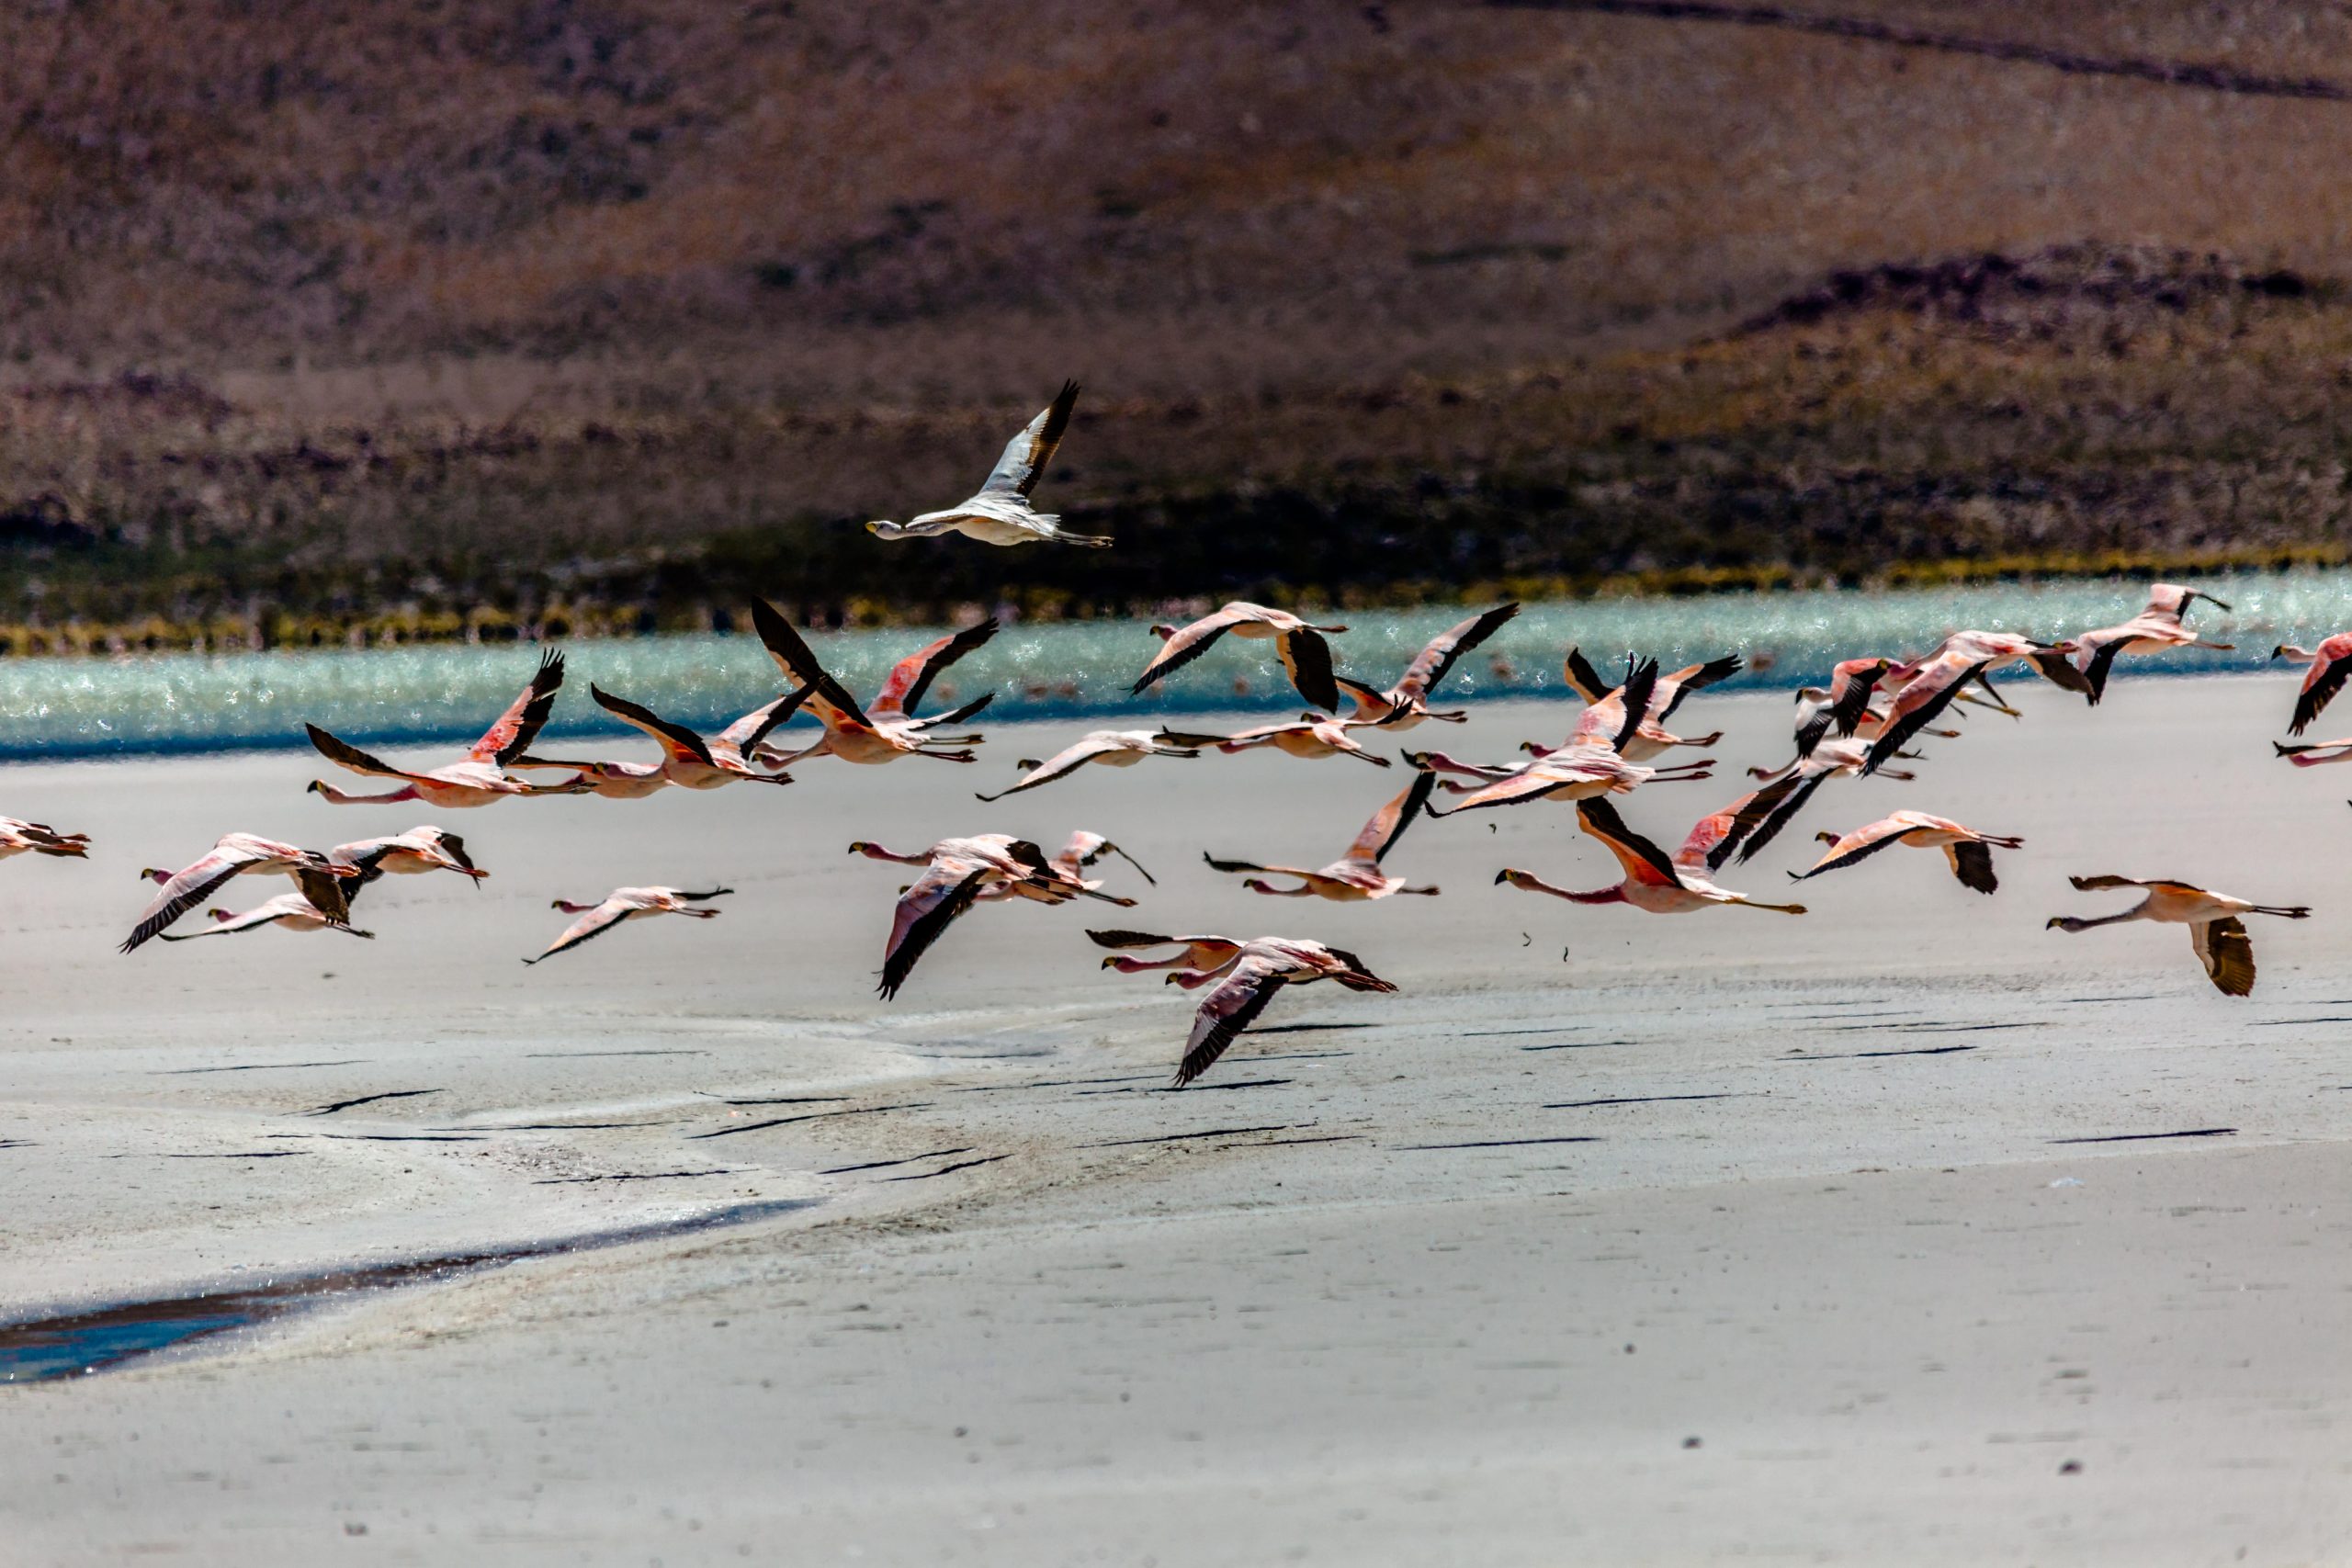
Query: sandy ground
<point x="1725" y="1236"/>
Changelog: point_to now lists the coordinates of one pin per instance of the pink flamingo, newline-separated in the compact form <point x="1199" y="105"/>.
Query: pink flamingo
<point x="17" y="837"/>
<point x="319" y="878"/>
<point x="626" y="904"/>
<point x="1249" y="977"/>
<point x="482" y="779"/>
<point x="1299" y="643"/>
<point x="2214" y="927"/>
<point x="2153" y="629"/>
<point x="886" y="732"/>
<point x="1112" y="747"/>
<point x="1652" y="882"/>
<point x="1968" y="852"/>
<point x="1407" y="703"/>
<point x="1356" y="876"/>
<point x="2331" y="665"/>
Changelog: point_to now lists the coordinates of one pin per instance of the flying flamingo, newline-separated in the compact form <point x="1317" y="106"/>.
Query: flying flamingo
<point x="1200" y="953"/>
<point x="17" y="837"/>
<point x="613" y="780"/>
<point x="1969" y="852"/>
<point x="1312" y="737"/>
<point x="1605" y="711"/>
<point x="482" y="778"/>
<point x="955" y="872"/>
<point x="1069" y="865"/>
<point x="886" y="733"/>
<point x="1356" y="876"/>
<point x="1842" y="706"/>
<point x="1300" y="643"/>
<point x="1785" y="790"/>
<point x="1407" y="703"/>
<point x="1001" y="512"/>
<point x="1573" y="772"/>
<point x="288" y="911"/>
<point x="2331" y="665"/>
<point x="1930" y="688"/>
<point x="690" y="761"/>
<point x="626" y="904"/>
<point x="2153" y="629"/>
<point x="243" y="854"/>
<point x="1112" y="747"/>
<point x="2212" y="920"/>
<point x="413" y="853"/>
<point x="2315" y="753"/>
<point x="1247" y="979"/>
<point x="1653" y="883"/>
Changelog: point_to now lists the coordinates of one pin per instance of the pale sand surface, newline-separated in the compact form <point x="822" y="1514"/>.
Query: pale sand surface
<point x="1315" y="1333"/>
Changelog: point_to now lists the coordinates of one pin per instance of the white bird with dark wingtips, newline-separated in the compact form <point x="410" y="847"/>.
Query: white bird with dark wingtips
<point x="626" y="904"/>
<point x="1652" y="882"/>
<point x="243" y="854"/>
<point x="1969" y="853"/>
<point x="2215" y="929"/>
<point x="1407" y="703"/>
<point x="1299" y="643"/>
<point x="1112" y="748"/>
<point x="1356" y="876"/>
<point x="885" y="732"/>
<point x="1001" y="512"/>
<point x="482" y="779"/>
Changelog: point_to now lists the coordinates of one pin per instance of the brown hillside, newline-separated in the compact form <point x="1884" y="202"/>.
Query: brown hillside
<point x="316" y="303"/>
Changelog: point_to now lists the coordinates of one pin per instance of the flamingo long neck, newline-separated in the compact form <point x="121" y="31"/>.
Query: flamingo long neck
<point x="2133" y="914"/>
<point x="341" y="797"/>
<point x="568" y="907"/>
<point x="876" y="851"/>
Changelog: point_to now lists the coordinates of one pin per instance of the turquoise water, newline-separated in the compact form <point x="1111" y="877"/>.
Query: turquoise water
<point x="193" y="702"/>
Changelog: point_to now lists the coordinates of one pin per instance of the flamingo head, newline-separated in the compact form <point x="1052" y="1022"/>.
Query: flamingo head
<point x="223" y="915"/>
<point x="1163" y="632"/>
<point x="2065" y="923"/>
<point x="1826" y="837"/>
<point x="154" y="875"/>
<point x="883" y="528"/>
<point x="859" y="847"/>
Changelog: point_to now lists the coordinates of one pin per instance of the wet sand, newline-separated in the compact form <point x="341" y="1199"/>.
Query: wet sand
<point x="1455" y="1275"/>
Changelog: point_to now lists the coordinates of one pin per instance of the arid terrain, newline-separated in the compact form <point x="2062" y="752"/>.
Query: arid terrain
<point x="601" y="316"/>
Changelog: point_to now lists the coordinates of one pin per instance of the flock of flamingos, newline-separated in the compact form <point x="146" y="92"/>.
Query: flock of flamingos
<point x="1871" y="710"/>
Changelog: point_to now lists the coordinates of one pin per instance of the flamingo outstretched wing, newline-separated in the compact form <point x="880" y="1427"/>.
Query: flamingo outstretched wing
<point x="1026" y="455"/>
<point x="525" y="717"/>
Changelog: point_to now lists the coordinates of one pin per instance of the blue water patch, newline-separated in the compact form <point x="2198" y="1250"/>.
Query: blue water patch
<point x="60" y="707"/>
<point x="77" y="1344"/>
